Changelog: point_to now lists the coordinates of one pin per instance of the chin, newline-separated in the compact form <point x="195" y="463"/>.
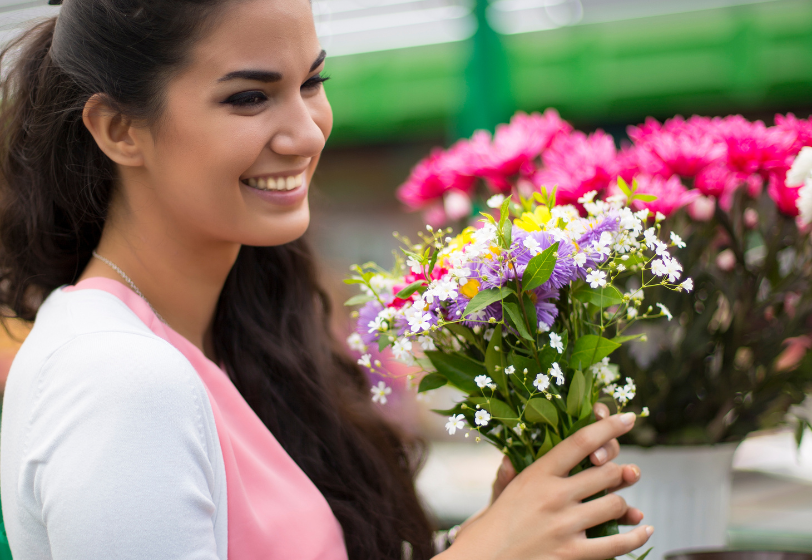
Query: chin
<point x="282" y="231"/>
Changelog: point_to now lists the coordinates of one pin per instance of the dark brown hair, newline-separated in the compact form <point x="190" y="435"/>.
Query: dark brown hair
<point x="273" y="337"/>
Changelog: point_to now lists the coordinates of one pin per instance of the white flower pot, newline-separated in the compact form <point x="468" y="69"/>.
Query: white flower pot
<point x="684" y="493"/>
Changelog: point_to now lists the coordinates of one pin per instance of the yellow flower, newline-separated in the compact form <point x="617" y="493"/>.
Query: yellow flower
<point x="462" y="239"/>
<point x="534" y="221"/>
<point x="470" y="288"/>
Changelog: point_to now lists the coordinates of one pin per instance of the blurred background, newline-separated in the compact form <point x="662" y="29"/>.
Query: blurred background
<point x="408" y="75"/>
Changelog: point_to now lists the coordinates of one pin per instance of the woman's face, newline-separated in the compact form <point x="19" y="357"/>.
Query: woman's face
<point x="243" y="127"/>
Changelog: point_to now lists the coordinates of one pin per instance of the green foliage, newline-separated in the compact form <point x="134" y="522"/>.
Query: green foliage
<point x="599" y="297"/>
<point x="431" y="381"/>
<point x="457" y="369"/>
<point x="590" y="349"/>
<point x="540" y="409"/>
<point x="484" y="298"/>
<point x="540" y="268"/>
<point x="408" y="290"/>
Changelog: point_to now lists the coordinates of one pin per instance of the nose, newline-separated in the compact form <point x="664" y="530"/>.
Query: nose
<point x="300" y="128"/>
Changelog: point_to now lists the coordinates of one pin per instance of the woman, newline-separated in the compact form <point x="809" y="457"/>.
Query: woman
<point x="180" y="394"/>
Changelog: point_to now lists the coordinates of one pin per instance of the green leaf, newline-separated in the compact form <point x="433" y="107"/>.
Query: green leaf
<point x="622" y="339"/>
<point x="499" y="410"/>
<point x="643" y="556"/>
<point x="462" y="331"/>
<point x="546" y="446"/>
<point x="590" y="349"/>
<point x="624" y="187"/>
<point x="494" y="360"/>
<point x="507" y="234"/>
<point x="586" y="407"/>
<point x="433" y="260"/>
<point x="582" y="423"/>
<point x="540" y="268"/>
<point x="383" y="340"/>
<point x="644" y="197"/>
<point x="431" y="381"/>
<point x="600" y="297"/>
<point x="425" y="364"/>
<point x="449" y="411"/>
<point x="541" y="410"/>
<point x="484" y="298"/>
<point x="353" y="281"/>
<point x="532" y="316"/>
<point x="459" y="371"/>
<point x="517" y="320"/>
<point x="410" y="289"/>
<point x="358" y="299"/>
<point x="575" y="395"/>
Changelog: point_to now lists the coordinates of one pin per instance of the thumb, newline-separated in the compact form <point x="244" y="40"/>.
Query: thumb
<point x="504" y="475"/>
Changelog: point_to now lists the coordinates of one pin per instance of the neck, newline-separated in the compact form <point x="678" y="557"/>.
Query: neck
<point x="179" y="274"/>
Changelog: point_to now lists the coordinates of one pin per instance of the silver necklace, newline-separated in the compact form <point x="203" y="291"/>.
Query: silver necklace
<point x="132" y="285"/>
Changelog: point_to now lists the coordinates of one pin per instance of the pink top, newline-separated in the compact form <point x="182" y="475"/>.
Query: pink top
<point x="274" y="510"/>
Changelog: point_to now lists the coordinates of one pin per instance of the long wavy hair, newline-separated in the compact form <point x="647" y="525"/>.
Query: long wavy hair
<point x="273" y="338"/>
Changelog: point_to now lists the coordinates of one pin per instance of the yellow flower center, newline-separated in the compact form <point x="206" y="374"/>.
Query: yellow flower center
<point x="470" y="288"/>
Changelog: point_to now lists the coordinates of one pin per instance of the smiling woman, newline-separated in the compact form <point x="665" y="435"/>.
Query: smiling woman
<point x="180" y="394"/>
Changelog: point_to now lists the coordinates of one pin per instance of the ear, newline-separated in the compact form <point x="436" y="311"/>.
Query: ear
<point x="114" y="133"/>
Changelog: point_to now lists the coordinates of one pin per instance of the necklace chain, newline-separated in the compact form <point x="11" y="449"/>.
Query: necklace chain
<point x="132" y="285"/>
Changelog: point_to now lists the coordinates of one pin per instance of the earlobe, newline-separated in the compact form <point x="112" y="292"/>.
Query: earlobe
<point x="113" y="132"/>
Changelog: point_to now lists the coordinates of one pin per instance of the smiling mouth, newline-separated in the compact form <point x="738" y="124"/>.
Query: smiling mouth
<point x="275" y="183"/>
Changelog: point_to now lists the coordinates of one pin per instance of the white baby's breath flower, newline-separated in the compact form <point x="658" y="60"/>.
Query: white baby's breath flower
<point x="645" y="413"/>
<point x="555" y="371"/>
<point x="588" y="197"/>
<point x="426" y="343"/>
<point x="596" y="279"/>
<point x="650" y="238"/>
<point x="556" y="342"/>
<point x="379" y="392"/>
<point x="378" y="325"/>
<point x="677" y="241"/>
<point x="420" y="322"/>
<point x="488" y="334"/>
<point x="414" y="265"/>
<point x="510" y="370"/>
<point x="482" y="417"/>
<point x="482" y="381"/>
<point x="496" y="201"/>
<point x="621" y="395"/>
<point x="365" y="360"/>
<point x="659" y="267"/>
<point x="621" y="267"/>
<point x="688" y="285"/>
<point x="631" y="313"/>
<point x="532" y="245"/>
<point x="542" y="382"/>
<point x="355" y="343"/>
<point x="664" y="310"/>
<point x="455" y="423"/>
<point x="580" y="259"/>
<point x="519" y="428"/>
<point x="543" y="327"/>
<point x="659" y="217"/>
<point x="673" y="269"/>
<point x="402" y="349"/>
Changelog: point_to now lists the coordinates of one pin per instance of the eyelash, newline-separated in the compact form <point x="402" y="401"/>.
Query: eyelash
<point x="248" y="98"/>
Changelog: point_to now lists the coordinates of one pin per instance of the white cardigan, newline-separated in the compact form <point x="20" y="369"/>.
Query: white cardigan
<point x="109" y="447"/>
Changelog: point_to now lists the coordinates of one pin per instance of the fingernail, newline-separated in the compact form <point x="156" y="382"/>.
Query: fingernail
<point x="628" y="418"/>
<point x="600" y="414"/>
<point x="636" y="472"/>
<point x="649" y="530"/>
<point x="601" y="455"/>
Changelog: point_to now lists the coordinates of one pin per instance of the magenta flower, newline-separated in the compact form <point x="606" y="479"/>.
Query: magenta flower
<point x="785" y="198"/>
<point x="684" y="148"/>
<point x="578" y="164"/>
<point x="752" y="147"/>
<point x="440" y="172"/>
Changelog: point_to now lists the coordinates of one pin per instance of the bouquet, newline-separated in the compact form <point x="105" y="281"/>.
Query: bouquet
<point x="736" y="358"/>
<point x="521" y="314"/>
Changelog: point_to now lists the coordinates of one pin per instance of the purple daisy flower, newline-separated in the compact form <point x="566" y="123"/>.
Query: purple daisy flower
<point x="564" y="271"/>
<point x="546" y="311"/>
<point x="366" y="315"/>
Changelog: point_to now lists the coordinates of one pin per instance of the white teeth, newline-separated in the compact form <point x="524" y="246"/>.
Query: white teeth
<point x="278" y="184"/>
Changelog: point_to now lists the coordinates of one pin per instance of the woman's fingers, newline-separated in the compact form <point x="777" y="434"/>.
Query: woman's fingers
<point x="504" y="475"/>
<point x="594" y="512"/>
<point x="591" y="481"/>
<point x="564" y="456"/>
<point x="616" y="545"/>
<point x="631" y="474"/>
<point x="633" y="517"/>
<point x="606" y="453"/>
<point x="601" y="411"/>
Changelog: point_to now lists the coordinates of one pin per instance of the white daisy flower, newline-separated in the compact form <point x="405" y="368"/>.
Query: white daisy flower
<point x="414" y="265"/>
<point x="420" y="322"/>
<point x="580" y="259"/>
<point x="365" y="360"/>
<point x="402" y="349"/>
<point x="426" y="342"/>
<point x="355" y="343"/>
<point x="596" y="279"/>
<point x="542" y="382"/>
<point x="532" y="245"/>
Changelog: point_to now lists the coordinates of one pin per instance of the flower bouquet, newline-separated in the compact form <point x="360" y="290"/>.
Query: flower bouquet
<point x="521" y="314"/>
<point x="736" y="358"/>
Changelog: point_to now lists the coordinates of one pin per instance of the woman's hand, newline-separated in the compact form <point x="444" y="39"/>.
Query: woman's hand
<point x="540" y="513"/>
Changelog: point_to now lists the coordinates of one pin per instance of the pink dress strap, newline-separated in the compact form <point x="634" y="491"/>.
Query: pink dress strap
<point x="274" y="510"/>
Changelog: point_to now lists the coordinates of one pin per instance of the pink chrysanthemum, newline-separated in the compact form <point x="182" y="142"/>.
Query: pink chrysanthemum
<point x="801" y="127"/>
<point x="578" y="164"/>
<point x="753" y="147"/>
<point x="440" y="172"/>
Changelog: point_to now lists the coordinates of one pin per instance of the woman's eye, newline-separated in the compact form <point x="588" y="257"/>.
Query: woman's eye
<point x="246" y="99"/>
<point x="315" y="81"/>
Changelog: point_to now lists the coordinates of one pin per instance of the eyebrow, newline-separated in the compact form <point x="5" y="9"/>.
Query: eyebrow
<point x="266" y="76"/>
